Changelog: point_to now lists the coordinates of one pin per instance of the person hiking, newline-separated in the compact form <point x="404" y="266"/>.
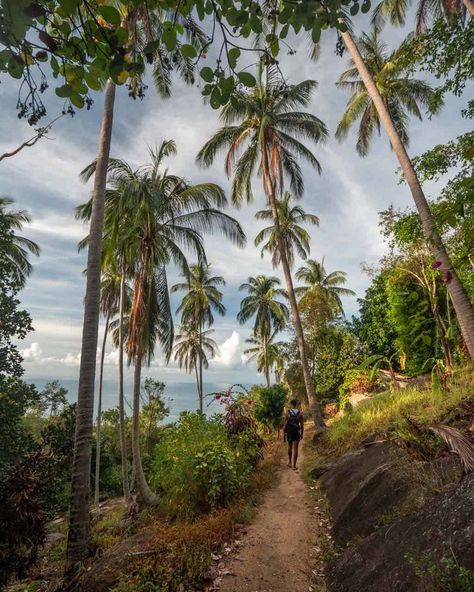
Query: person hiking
<point x="294" y="429"/>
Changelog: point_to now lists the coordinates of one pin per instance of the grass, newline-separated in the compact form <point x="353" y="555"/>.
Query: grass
<point x="386" y="412"/>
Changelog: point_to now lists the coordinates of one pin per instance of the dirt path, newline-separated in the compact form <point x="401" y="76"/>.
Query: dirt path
<point x="276" y="553"/>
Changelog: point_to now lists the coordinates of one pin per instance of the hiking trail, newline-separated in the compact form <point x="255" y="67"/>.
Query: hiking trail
<point x="278" y="553"/>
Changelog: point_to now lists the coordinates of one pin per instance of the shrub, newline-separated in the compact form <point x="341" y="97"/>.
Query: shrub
<point x="249" y="448"/>
<point x="355" y="381"/>
<point x="23" y="517"/>
<point x="196" y="468"/>
<point x="269" y="404"/>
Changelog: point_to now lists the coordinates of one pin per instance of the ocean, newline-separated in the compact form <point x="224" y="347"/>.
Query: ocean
<point x="179" y="396"/>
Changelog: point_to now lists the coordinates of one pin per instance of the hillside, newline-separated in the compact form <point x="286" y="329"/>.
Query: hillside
<point x="401" y="502"/>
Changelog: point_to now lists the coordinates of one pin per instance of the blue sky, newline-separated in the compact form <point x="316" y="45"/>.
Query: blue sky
<point x="347" y="197"/>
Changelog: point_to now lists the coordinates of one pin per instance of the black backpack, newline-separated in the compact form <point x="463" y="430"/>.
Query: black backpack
<point x="292" y="425"/>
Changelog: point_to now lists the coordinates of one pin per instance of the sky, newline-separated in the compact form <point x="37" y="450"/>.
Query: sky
<point x="347" y="197"/>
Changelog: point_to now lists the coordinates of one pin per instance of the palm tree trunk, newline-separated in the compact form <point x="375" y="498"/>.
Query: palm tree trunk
<point x="79" y="519"/>
<point x="462" y="305"/>
<point x="201" y="393"/>
<point x="123" y="439"/>
<point x="99" y="414"/>
<point x="265" y="356"/>
<point x="198" y="382"/>
<point x="295" y="314"/>
<point x="145" y="494"/>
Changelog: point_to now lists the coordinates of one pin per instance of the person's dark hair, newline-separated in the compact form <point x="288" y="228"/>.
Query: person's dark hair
<point x="294" y="402"/>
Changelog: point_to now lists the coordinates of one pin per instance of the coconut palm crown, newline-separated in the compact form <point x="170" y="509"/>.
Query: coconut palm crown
<point x="263" y="132"/>
<point x="403" y="96"/>
<point x="17" y="252"/>
<point x="261" y="302"/>
<point x="295" y="237"/>
<point x="315" y="277"/>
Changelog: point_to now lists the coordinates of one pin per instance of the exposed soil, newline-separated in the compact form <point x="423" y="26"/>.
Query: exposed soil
<point x="278" y="553"/>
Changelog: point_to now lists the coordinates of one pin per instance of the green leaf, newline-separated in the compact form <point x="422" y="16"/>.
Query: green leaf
<point x="285" y="14"/>
<point x="152" y="46"/>
<point x="365" y="6"/>
<point x="316" y="34"/>
<point x="92" y="80"/>
<point x="247" y="79"/>
<point x="234" y="55"/>
<point x="354" y="9"/>
<point x="169" y="39"/>
<point x="122" y="36"/>
<point x="77" y="100"/>
<point x="110" y="14"/>
<point x="274" y="48"/>
<point x="188" y="51"/>
<point x="15" y="69"/>
<point x="69" y="7"/>
<point x="64" y="91"/>
<point x="284" y="31"/>
<point x="426" y="339"/>
<point x="207" y="74"/>
<point x="215" y="99"/>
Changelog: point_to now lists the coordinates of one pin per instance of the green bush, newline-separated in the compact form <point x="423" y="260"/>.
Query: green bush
<point x="269" y="404"/>
<point x="249" y="448"/>
<point x="355" y="381"/>
<point x="196" y="468"/>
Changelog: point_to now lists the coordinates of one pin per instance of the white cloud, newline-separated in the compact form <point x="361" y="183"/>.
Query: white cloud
<point x="33" y="353"/>
<point x="58" y="226"/>
<point x="229" y="353"/>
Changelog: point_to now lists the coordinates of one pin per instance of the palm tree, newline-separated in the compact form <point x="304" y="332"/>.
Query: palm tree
<point x="142" y="25"/>
<point x="396" y="11"/>
<point x="316" y="279"/>
<point x="402" y="95"/>
<point x="267" y="354"/>
<point x="270" y="314"/>
<point x="19" y="247"/>
<point x="266" y="139"/>
<point x="158" y="215"/>
<point x="295" y="237"/>
<point x="193" y="349"/>
<point x="462" y="305"/>
<point x="198" y="304"/>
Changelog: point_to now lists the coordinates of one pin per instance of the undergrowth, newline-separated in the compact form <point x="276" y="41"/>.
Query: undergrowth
<point x="387" y="411"/>
<point x="178" y="556"/>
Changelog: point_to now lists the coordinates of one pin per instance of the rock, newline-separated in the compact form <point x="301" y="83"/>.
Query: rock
<point x="361" y="487"/>
<point x="392" y="558"/>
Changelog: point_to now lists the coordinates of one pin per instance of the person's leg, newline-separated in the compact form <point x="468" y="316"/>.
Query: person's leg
<point x="290" y="452"/>
<point x="295" y="453"/>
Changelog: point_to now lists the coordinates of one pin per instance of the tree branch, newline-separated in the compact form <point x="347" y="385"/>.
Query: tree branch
<point x="42" y="131"/>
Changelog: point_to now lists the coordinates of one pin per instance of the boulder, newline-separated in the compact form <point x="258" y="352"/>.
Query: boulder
<point x="425" y="551"/>
<point x="361" y="487"/>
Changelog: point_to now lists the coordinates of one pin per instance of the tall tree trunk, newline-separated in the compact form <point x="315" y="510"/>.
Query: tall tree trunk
<point x="145" y="494"/>
<point x="123" y="438"/>
<point x="79" y="519"/>
<point x="198" y="382"/>
<point x="269" y="188"/>
<point x="462" y="305"/>
<point x="201" y="390"/>
<point x="265" y="360"/>
<point x="99" y="414"/>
